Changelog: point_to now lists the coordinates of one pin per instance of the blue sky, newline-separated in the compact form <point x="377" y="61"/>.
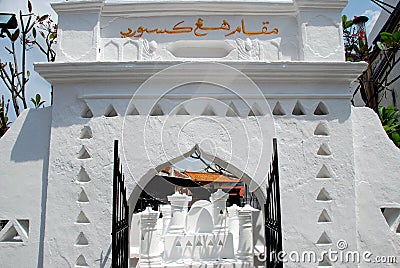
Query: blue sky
<point x="363" y="7"/>
<point x="357" y="7"/>
<point x="37" y="84"/>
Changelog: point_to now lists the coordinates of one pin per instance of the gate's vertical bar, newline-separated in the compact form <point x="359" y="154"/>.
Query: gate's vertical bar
<point x="272" y="207"/>
<point x="278" y="200"/>
<point x="120" y="216"/>
<point x="126" y="233"/>
<point x="114" y="213"/>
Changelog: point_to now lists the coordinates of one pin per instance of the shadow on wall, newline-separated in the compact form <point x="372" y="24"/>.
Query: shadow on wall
<point x="33" y="140"/>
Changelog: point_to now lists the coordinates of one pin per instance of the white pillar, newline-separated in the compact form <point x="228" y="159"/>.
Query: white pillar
<point x="245" y="248"/>
<point x="234" y="224"/>
<point x="320" y="28"/>
<point x="179" y="207"/>
<point x="166" y="217"/>
<point x="149" y="251"/>
<point x="218" y="200"/>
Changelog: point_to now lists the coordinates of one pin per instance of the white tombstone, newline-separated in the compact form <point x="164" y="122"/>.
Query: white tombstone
<point x="166" y="217"/>
<point x="179" y="207"/>
<point x="135" y="236"/>
<point x="257" y="219"/>
<point x="199" y="218"/>
<point x="233" y="224"/>
<point x="218" y="200"/>
<point x="149" y="251"/>
<point x="245" y="247"/>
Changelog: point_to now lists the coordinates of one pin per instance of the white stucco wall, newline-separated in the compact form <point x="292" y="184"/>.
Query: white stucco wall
<point x="23" y="180"/>
<point x="300" y="163"/>
<point x="305" y="30"/>
<point x="377" y="165"/>
<point x="149" y="142"/>
<point x="355" y="209"/>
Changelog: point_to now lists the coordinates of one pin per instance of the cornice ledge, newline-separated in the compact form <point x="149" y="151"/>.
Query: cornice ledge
<point x="321" y="4"/>
<point x="78" y="7"/>
<point x="131" y="9"/>
<point x="139" y="71"/>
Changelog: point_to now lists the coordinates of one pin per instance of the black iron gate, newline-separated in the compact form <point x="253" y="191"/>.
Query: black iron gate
<point x="120" y="217"/>
<point x="273" y="230"/>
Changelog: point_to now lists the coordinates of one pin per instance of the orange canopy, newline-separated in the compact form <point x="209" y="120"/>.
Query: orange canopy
<point x="206" y="177"/>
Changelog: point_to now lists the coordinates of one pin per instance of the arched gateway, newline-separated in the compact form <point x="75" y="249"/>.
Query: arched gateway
<point x="223" y="78"/>
<point x="227" y="120"/>
<point x="214" y="241"/>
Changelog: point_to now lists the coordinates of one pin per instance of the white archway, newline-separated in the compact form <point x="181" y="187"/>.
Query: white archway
<point x="135" y="193"/>
<point x="245" y="142"/>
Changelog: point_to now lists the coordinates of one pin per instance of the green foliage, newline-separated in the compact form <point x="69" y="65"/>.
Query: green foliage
<point x="389" y="41"/>
<point x="355" y="49"/>
<point x="37" y="101"/>
<point x="346" y="23"/>
<point x="373" y="87"/>
<point x="390" y="118"/>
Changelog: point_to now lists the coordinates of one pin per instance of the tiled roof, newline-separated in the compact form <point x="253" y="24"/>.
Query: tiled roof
<point x="207" y="177"/>
<point x="172" y="172"/>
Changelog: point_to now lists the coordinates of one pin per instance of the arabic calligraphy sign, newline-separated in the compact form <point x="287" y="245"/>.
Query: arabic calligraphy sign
<point x="200" y="29"/>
